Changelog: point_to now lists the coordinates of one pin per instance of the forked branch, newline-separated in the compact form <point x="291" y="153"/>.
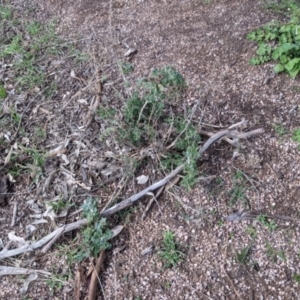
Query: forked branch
<point x="214" y="138"/>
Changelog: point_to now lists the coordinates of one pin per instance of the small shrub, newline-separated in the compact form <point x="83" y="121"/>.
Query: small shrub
<point x="95" y="235"/>
<point x="296" y="136"/>
<point x="144" y="114"/>
<point x="280" y="42"/>
<point x="170" y="254"/>
<point x="3" y="92"/>
<point x="243" y="256"/>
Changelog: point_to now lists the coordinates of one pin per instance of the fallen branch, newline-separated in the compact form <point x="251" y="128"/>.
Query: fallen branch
<point x="4" y="270"/>
<point x="30" y="247"/>
<point x="214" y="138"/>
<point x="93" y="287"/>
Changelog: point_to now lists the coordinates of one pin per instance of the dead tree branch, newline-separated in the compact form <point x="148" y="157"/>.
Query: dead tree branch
<point x="30" y="247"/>
<point x="214" y="138"/>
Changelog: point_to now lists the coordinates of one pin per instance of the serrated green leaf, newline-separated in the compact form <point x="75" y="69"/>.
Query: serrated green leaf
<point x="254" y="61"/>
<point x="262" y="50"/>
<point x="283" y="59"/>
<point x="294" y="73"/>
<point x="278" y="68"/>
<point x="275" y="54"/>
<point x="251" y="36"/>
<point x="292" y="64"/>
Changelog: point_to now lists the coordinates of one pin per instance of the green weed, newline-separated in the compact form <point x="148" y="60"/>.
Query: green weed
<point x="169" y="253"/>
<point x="273" y="254"/>
<point x="296" y="135"/>
<point x="287" y="8"/>
<point x="251" y="231"/>
<point x="242" y="257"/>
<point x="279" y="42"/>
<point x="296" y="277"/>
<point x="237" y="192"/>
<point x="3" y="92"/>
<point x="5" y="13"/>
<point x="60" y="205"/>
<point x="270" y="224"/>
<point x="144" y="114"/>
<point x="29" y="49"/>
<point x="56" y="283"/>
<point x="280" y="130"/>
<point x="126" y="67"/>
<point x="95" y="235"/>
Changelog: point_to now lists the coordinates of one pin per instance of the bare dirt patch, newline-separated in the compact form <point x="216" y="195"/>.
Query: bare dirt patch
<point x="205" y="41"/>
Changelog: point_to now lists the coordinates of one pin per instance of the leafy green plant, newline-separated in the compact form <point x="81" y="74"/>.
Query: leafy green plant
<point x="60" y="205"/>
<point x="296" y="277"/>
<point x="243" y="256"/>
<point x="95" y="235"/>
<point x="5" y="13"/>
<point x="280" y="42"/>
<point x="3" y="92"/>
<point x="27" y="45"/>
<point x="287" y="8"/>
<point x="296" y="135"/>
<point x="251" y="231"/>
<point x="237" y="193"/>
<point x="170" y="253"/>
<point x="270" y="224"/>
<point x="273" y="254"/>
<point x="56" y="283"/>
<point x="280" y="129"/>
<point x="126" y="67"/>
<point x="144" y="116"/>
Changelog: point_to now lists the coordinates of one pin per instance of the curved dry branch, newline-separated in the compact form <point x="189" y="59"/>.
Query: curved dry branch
<point x="214" y="138"/>
<point x="43" y="241"/>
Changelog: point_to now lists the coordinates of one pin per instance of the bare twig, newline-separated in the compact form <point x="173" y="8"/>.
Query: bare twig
<point x="154" y="198"/>
<point x="93" y="287"/>
<point x="216" y="137"/>
<point x="5" y="270"/>
<point x="30" y="247"/>
<point x="186" y="126"/>
<point x="13" y="220"/>
<point x="58" y="235"/>
<point x="224" y="268"/>
<point x="253" y="214"/>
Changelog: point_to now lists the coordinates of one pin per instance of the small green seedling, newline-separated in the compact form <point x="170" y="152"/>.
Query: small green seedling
<point x="95" y="235"/>
<point x="279" y="129"/>
<point x="3" y="92"/>
<point x="126" y="67"/>
<point x="169" y="253"/>
<point x="243" y="256"/>
<point x="279" y="42"/>
<point x="296" y="277"/>
<point x="270" y="224"/>
<point x="251" y="231"/>
<point x="296" y="136"/>
<point x="56" y="283"/>
<point x="273" y="254"/>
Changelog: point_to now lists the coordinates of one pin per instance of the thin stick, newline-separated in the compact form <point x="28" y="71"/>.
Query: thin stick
<point x="218" y="136"/>
<point x="5" y="270"/>
<point x="29" y="247"/>
<point x="154" y="198"/>
<point x="59" y="234"/>
<point x="13" y="220"/>
<point x="224" y="270"/>
<point x="93" y="287"/>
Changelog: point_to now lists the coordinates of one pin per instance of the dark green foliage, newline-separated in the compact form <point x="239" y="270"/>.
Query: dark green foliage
<point x="243" y="256"/>
<point x="95" y="235"/>
<point x="170" y="254"/>
<point x="296" y="135"/>
<point x="280" y="42"/>
<point x="146" y="112"/>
